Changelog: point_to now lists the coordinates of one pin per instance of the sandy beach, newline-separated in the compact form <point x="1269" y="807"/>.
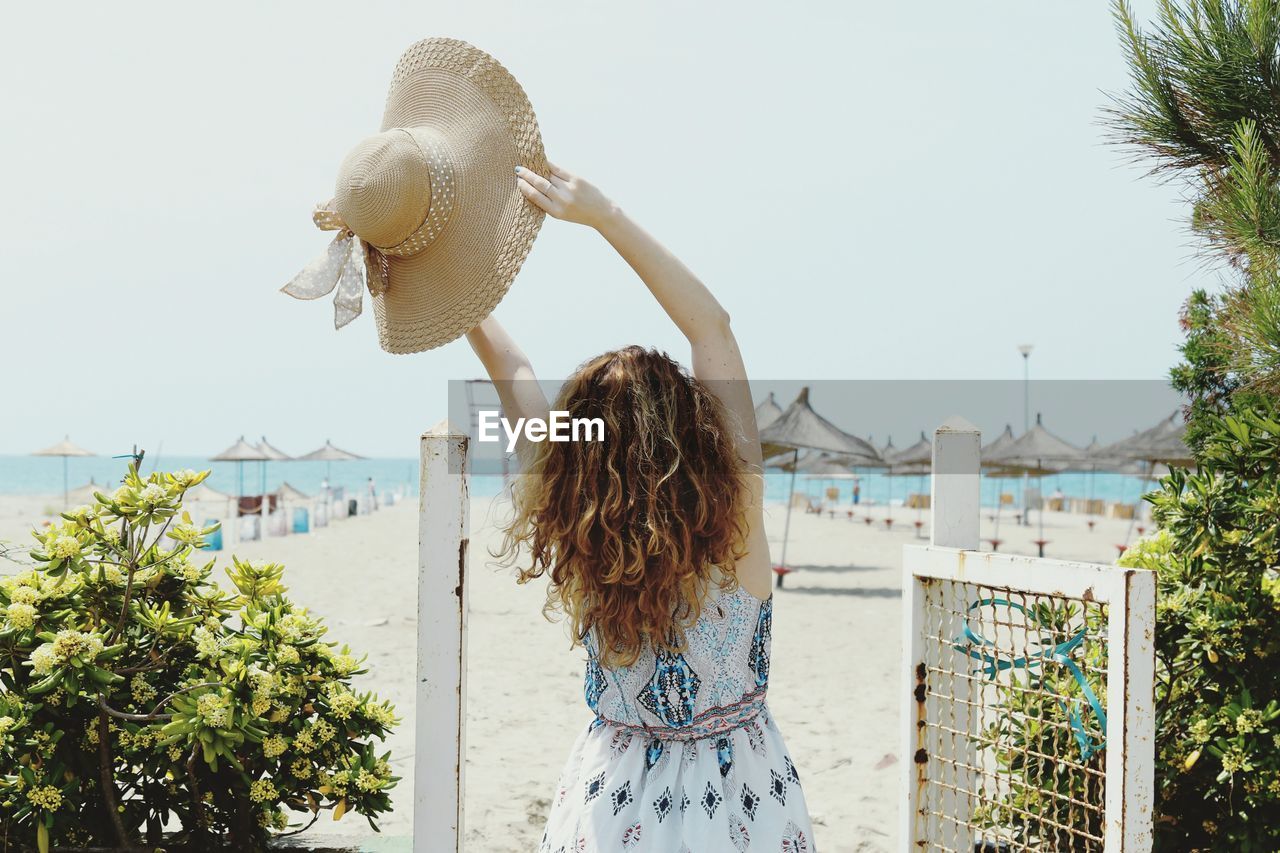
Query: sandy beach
<point x="833" y="689"/>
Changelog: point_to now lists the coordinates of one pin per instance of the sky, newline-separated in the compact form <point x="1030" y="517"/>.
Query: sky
<point x="873" y="191"/>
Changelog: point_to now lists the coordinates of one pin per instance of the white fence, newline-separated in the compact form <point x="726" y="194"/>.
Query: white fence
<point x="440" y="732"/>
<point x="1028" y="710"/>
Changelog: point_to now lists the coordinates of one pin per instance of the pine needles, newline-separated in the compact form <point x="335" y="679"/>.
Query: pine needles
<point x="1204" y="106"/>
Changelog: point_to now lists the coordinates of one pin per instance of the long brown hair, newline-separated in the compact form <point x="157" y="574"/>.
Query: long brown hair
<point x="633" y="530"/>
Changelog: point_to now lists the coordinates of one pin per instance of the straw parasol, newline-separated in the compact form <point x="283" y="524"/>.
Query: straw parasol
<point x="1162" y="444"/>
<point x="822" y="467"/>
<point x="330" y="454"/>
<point x="997" y="446"/>
<point x="207" y="494"/>
<point x="84" y="494"/>
<point x="240" y="453"/>
<point x="801" y="428"/>
<point x="1165" y="442"/>
<point x="271" y="454"/>
<point x="66" y="449"/>
<point x="767" y="412"/>
<point x="991" y="450"/>
<point x="1038" y="452"/>
<point x="206" y="497"/>
<point x="913" y="461"/>
<point x="289" y="493"/>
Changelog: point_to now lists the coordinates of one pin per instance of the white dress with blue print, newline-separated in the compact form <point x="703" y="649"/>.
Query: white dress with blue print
<point x="683" y="756"/>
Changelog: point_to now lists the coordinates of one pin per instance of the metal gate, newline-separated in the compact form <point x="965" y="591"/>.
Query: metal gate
<point x="1028" y="710"/>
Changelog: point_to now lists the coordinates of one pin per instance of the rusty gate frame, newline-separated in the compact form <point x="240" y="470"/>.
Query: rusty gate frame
<point x="1130" y="594"/>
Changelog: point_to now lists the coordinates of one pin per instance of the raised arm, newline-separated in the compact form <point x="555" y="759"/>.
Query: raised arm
<point x="716" y="359"/>
<point x="509" y="369"/>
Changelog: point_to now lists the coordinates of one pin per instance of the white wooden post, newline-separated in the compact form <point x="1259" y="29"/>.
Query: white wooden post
<point x="915" y="682"/>
<point x="954" y="517"/>
<point x="439" y="755"/>
<point x="954" y="503"/>
<point x="1131" y="714"/>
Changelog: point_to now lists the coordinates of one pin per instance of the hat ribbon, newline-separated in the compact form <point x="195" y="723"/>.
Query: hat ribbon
<point x="349" y="265"/>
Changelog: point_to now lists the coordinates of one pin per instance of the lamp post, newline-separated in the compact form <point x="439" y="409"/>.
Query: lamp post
<point x="1025" y="350"/>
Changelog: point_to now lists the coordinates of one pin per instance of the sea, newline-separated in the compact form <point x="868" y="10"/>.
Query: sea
<point x="38" y="475"/>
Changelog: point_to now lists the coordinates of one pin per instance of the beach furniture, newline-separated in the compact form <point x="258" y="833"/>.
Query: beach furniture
<point x="277" y="524"/>
<point x="213" y="541"/>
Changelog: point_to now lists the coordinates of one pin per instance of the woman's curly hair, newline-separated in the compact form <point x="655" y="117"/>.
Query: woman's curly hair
<point x="635" y="529"/>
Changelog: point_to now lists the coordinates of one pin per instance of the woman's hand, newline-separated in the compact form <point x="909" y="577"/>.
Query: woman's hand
<point x="565" y="196"/>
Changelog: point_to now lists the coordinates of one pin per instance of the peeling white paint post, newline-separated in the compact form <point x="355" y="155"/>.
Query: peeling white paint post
<point x="955" y="511"/>
<point x="956" y="486"/>
<point x="440" y="732"/>
<point x="1131" y="714"/>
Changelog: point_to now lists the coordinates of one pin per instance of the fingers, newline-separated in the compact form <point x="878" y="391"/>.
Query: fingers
<point x="536" y="181"/>
<point x="534" y="195"/>
<point x="562" y="174"/>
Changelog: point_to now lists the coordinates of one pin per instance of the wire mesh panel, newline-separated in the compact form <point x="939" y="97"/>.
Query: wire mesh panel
<point x="1025" y="728"/>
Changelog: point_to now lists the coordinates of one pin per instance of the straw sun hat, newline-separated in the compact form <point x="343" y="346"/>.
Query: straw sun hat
<point x="427" y="211"/>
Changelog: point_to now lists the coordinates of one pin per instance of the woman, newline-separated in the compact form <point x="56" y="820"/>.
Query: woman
<point x="655" y="547"/>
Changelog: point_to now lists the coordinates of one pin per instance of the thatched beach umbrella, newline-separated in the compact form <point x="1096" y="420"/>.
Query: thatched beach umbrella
<point x="1163" y="444"/>
<point x="1038" y="452"/>
<point x="84" y="494"/>
<point x="913" y="461"/>
<point x="289" y="493"/>
<point x="240" y="453"/>
<point x="994" y="448"/>
<point x="330" y="454"/>
<point x="208" y="499"/>
<point x="767" y="412"/>
<point x="270" y="453"/>
<point x="66" y="449"/>
<point x="801" y="428"/>
<point x="823" y="467"/>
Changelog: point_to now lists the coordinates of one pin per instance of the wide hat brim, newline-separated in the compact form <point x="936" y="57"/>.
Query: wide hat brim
<point x="485" y="118"/>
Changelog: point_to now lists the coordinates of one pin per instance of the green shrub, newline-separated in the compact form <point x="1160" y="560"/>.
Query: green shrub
<point x="1218" y="641"/>
<point x="1047" y="740"/>
<point x="1217" y="644"/>
<point x="137" y="696"/>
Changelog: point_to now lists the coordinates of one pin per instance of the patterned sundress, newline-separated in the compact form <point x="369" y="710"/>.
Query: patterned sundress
<point x="683" y="756"/>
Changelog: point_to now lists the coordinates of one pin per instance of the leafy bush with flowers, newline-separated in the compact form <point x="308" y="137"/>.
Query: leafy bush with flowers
<point x="1217" y="641"/>
<point x="1047" y="734"/>
<point x="139" y="697"/>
